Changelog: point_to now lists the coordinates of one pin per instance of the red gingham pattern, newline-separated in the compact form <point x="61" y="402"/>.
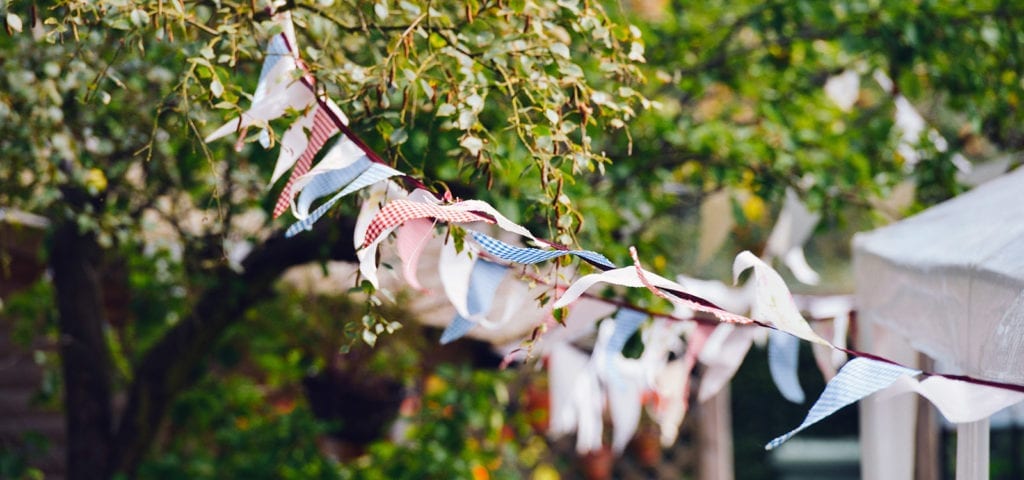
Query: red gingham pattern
<point x="323" y="129"/>
<point x="400" y="211"/>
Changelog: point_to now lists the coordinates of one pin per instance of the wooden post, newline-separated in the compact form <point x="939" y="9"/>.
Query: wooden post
<point x="887" y="427"/>
<point x="714" y="439"/>
<point x="972" y="450"/>
<point x="926" y="455"/>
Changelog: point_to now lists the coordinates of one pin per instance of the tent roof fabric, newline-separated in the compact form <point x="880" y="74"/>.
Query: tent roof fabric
<point x="951" y="279"/>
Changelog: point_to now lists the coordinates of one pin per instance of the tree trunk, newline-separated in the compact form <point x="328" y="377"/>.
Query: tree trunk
<point x="83" y="348"/>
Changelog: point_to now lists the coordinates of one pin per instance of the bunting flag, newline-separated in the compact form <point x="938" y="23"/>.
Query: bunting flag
<point x="590" y="411"/>
<point x="669" y="410"/>
<point x="483" y="284"/>
<point x="318" y="184"/>
<point x="342" y="163"/>
<point x="959" y="402"/>
<point x="662" y="339"/>
<point x="454" y="268"/>
<point x="277" y="90"/>
<point x="503" y="222"/>
<point x="322" y="130"/>
<point x="625" y="404"/>
<point x="531" y="256"/>
<point x="773" y="304"/>
<point x="293" y="144"/>
<point x="722" y="356"/>
<point x="644" y="278"/>
<point x="672" y="385"/>
<point x="628" y="277"/>
<point x="278" y="51"/>
<point x="412" y="238"/>
<point x="621" y="377"/>
<point x="792" y="230"/>
<point x="457" y="329"/>
<point x="471" y="284"/>
<point x="516" y="298"/>
<point x="783" y="363"/>
<point x="565" y="364"/>
<point x="398" y="212"/>
<point x="376" y="172"/>
<point x="368" y="256"/>
<point x="376" y="197"/>
<point x="626" y="322"/>
<point x="857" y="379"/>
<point x="733" y="299"/>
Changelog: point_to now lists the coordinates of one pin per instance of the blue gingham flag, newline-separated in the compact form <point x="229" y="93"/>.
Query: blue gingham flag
<point x="857" y="379"/>
<point x="529" y="256"/>
<point x="375" y="173"/>
<point x="627" y="322"/>
<point x="483" y="284"/>
<point x="783" y="360"/>
<point x="327" y="183"/>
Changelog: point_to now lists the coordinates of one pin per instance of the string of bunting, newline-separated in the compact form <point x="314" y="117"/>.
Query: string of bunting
<point x="472" y="282"/>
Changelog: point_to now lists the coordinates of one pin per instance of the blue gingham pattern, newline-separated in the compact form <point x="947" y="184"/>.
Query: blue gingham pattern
<point x="857" y="379"/>
<point x="375" y="173"/>
<point x="456" y="330"/>
<point x="783" y="360"/>
<point x="329" y="182"/>
<point x="627" y="322"/>
<point x="276" y="48"/>
<point x="530" y="256"/>
<point x="483" y="284"/>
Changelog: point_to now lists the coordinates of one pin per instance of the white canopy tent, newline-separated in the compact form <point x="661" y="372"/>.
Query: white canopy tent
<point x="949" y="283"/>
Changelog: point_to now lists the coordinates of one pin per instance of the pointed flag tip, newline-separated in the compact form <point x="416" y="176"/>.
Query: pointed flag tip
<point x="456" y="330"/>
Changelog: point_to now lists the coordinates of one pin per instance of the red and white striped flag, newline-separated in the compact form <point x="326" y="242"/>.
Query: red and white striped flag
<point x="322" y="130"/>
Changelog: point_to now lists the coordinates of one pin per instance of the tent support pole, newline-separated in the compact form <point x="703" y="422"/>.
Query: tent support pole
<point x="972" y="449"/>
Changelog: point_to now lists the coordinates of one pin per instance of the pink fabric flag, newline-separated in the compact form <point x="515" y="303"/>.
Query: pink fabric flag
<point x="380" y="192"/>
<point x="322" y="130"/>
<point x="412" y="237"/>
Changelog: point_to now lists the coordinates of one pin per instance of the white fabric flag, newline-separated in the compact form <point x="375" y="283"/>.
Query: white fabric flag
<point x="565" y="364"/>
<point x="722" y="356"/>
<point x="784" y="363"/>
<point x="792" y="230"/>
<point x="958" y="401"/>
<point x="773" y="303"/>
